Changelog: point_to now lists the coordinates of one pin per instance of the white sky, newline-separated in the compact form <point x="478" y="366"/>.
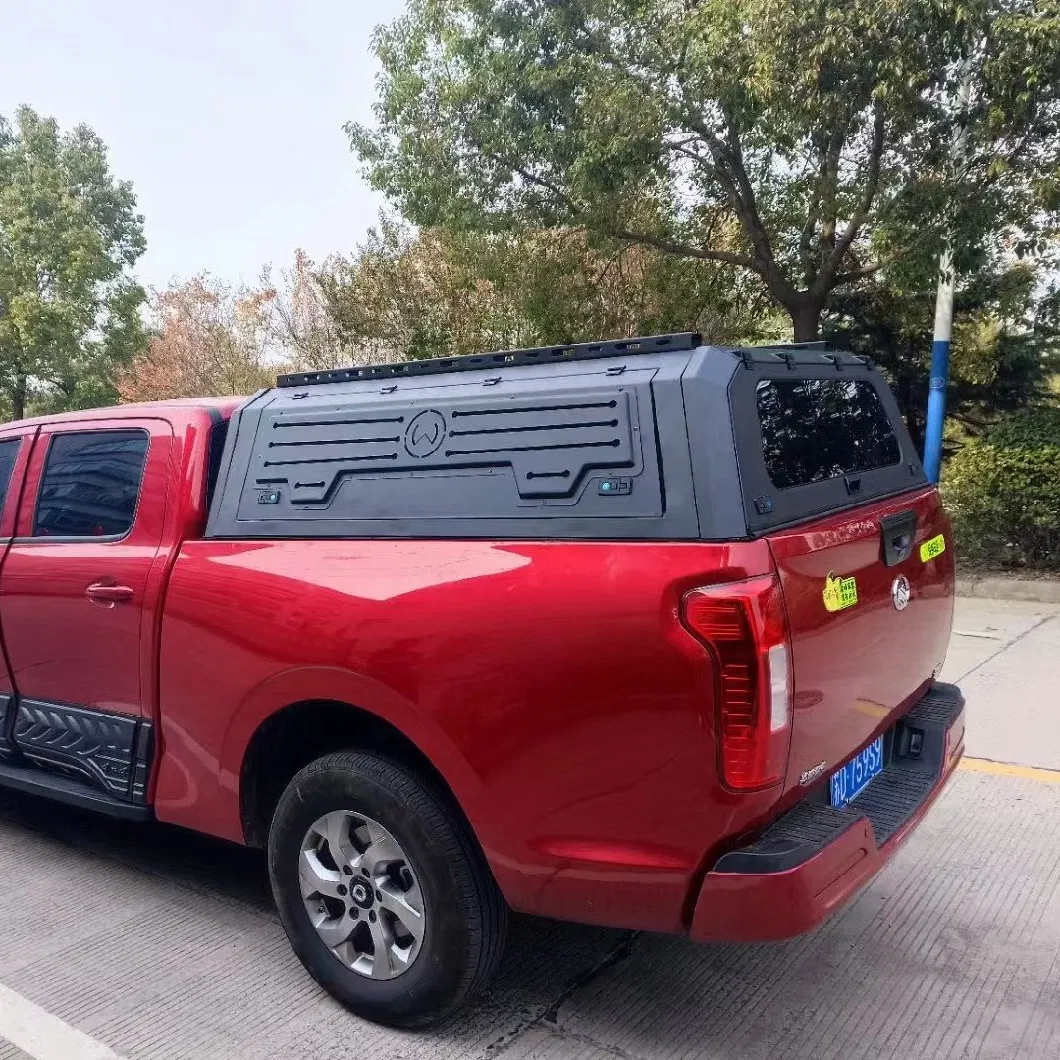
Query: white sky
<point x="226" y="116"/>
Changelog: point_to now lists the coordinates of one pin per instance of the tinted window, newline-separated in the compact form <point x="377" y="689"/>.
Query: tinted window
<point x="8" y="455"/>
<point x="218" y="433"/>
<point x="90" y="484"/>
<point x="817" y="429"/>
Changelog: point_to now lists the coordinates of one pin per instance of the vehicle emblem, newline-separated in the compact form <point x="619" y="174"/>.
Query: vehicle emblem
<point x="425" y="433"/>
<point x="812" y="774"/>
<point x="900" y="592"/>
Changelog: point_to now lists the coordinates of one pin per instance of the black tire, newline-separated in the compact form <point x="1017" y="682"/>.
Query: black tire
<point x="466" y="916"/>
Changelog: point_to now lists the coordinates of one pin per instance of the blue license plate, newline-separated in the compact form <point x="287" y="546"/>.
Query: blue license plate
<point x="850" y="781"/>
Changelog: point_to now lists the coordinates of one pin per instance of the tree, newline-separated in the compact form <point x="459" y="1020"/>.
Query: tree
<point x="1006" y="343"/>
<point x="304" y="331"/>
<point x="436" y="292"/>
<point x="69" y="235"/>
<point x="207" y="340"/>
<point x="806" y="142"/>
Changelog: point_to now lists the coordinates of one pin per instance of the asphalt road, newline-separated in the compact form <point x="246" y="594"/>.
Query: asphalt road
<point x="146" y="942"/>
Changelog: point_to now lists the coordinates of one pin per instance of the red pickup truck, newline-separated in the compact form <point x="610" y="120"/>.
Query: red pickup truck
<point x="640" y="633"/>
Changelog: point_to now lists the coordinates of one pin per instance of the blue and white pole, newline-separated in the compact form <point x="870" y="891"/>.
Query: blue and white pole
<point x="940" y="369"/>
<point x="940" y="345"/>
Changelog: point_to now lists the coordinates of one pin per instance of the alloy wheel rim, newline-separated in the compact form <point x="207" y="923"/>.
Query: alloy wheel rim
<point x="361" y="894"/>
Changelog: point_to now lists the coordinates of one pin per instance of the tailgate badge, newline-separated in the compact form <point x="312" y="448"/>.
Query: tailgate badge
<point x="900" y="592"/>
<point x="839" y="593"/>
<point x="812" y="774"/>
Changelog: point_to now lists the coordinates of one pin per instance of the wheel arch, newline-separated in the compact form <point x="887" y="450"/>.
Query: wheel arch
<point x="295" y="735"/>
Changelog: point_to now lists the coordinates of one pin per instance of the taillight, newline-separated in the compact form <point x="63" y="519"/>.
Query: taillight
<point x="745" y="627"/>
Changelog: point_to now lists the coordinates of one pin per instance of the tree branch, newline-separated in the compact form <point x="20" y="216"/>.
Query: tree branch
<point x="825" y="278"/>
<point x="616" y="232"/>
<point x="539" y="182"/>
<point x="682" y="249"/>
<point x="856" y="274"/>
<point x="829" y="166"/>
<point x="729" y="171"/>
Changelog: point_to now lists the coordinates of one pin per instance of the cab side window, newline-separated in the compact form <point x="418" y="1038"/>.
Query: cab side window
<point x="90" y="484"/>
<point x="8" y="456"/>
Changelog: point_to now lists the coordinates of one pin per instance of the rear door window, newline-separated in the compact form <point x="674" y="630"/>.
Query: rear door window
<point x="818" y="429"/>
<point x="8" y="456"/>
<point x="90" y="484"/>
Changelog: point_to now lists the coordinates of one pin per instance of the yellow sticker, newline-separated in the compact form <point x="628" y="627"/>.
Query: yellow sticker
<point x="839" y="593"/>
<point x="930" y="549"/>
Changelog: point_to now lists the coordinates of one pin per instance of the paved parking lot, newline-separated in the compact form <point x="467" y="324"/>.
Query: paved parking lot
<point x="148" y="943"/>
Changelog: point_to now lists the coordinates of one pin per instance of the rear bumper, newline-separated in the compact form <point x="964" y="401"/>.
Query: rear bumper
<point x="815" y="858"/>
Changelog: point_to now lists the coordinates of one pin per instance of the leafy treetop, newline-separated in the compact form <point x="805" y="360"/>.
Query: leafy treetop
<point x="69" y="234"/>
<point x="809" y="142"/>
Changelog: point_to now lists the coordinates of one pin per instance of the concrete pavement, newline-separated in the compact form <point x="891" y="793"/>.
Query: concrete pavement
<point x="155" y="943"/>
<point x="1005" y="655"/>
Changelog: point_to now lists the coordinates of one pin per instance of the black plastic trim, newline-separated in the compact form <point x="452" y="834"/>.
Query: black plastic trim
<point x="143" y="755"/>
<point x="897" y="534"/>
<point x="109" y="751"/>
<point x="888" y="802"/>
<point x="7" y="749"/>
<point x="69" y="791"/>
<point x="579" y="351"/>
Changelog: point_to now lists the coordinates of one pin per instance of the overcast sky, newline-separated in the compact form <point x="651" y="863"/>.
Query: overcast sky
<point x="226" y="116"/>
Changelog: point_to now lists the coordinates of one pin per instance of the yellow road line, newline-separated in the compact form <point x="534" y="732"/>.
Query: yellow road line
<point x="1008" y="769"/>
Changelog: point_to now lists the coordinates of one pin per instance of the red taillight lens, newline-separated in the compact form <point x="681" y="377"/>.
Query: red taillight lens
<point x="744" y="626"/>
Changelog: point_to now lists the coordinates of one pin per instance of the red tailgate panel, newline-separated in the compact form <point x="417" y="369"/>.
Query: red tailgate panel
<point x="855" y="669"/>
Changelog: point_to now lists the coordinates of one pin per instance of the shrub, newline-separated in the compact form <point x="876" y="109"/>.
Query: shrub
<point x="1003" y="492"/>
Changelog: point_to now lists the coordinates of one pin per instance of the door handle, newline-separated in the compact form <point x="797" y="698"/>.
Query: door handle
<point x="99" y="593"/>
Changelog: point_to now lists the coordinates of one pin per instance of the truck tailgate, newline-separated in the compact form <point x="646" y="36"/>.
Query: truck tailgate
<point x="869" y="606"/>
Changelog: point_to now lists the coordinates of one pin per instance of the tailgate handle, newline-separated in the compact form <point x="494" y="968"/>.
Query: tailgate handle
<point x="898" y="533"/>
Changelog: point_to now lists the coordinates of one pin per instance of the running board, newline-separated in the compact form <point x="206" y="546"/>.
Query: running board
<point x="69" y="791"/>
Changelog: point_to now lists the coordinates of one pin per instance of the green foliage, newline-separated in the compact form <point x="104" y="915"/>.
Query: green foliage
<point x="69" y="233"/>
<point x="807" y="142"/>
<point x="408" y="295"/>
<point x="1006" y="344"/>
<point x="1003" y="492"/>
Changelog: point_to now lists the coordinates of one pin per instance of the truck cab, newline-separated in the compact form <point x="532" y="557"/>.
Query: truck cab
<point x="94" y="508"/>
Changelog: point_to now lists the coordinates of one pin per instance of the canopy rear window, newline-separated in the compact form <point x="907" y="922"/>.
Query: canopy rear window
<point x="819" y="429"/>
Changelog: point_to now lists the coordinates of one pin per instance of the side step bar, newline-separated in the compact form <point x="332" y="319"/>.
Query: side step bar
<point x="69" y="791"/>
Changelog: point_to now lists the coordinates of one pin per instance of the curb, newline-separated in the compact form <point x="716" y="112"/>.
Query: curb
<point x="1042" y="590"/>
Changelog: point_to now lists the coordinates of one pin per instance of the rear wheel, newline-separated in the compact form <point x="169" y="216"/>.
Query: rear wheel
<point x="385" y="896"/>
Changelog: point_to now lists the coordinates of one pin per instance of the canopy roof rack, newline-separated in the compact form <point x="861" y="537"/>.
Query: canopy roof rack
<point x="581" y="351"/>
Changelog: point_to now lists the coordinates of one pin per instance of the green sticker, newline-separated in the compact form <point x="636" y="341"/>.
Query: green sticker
<point x="930" y="549"/>
<point x="839" y="593"/>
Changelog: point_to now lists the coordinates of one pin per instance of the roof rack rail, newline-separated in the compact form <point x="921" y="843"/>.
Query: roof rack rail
<point x="581" y="351"/>
<point x="817" y="344"/>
